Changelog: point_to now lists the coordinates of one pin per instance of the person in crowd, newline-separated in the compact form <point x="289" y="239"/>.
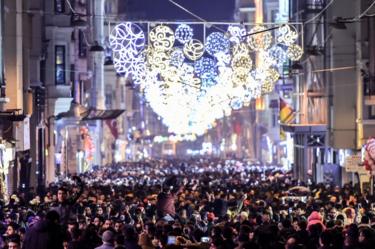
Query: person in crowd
<point x="108" y="239"/>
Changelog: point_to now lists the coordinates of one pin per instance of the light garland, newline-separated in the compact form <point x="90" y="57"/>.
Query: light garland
<point x="190" y="88"/>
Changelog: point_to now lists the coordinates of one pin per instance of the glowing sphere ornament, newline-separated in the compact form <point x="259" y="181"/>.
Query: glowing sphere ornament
<point x="294" y="52"/>
<point x="193" y="49"/>
<point x="286" y="35"/>
<point x="242" y="62"/>
<point x="217" y="42"/>
<point x="162" y="38"/>
<point x="184" y="33"/>
<point x="208" y="79"/>
<point x="177" y="57"/>
<point x="241" y="49"/>
<point x="205" y="65"/>
<point x="260" y="39"/>
<point x="240" y="78"/>
<point x="278" y="55"/>
<point x="127" y="38"/>
<point x="158" y="60"/>
<point x="236" y="33"/>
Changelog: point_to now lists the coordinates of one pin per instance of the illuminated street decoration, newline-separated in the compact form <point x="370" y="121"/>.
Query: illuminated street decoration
<point x="191" y="83"/>
<point x="217" y="42"/>
<point x="278" y="55"/>
<point x="236" y="33"/>
<point x="193" y="49"/>
<point x="162" y="38"/>
<point x="205" y="65"/>
<point x="261" y="40"/>
<point x="287" y="35"/>
<point x="127" y="40"/>
<point x="177" y="57"/>
<point x="242" y="62"/>
<point x="184" y="33"/>
<point x="294" y="52"/>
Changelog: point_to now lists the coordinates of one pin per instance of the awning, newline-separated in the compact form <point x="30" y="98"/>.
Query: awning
<point x="12" y="115"/>
<point x="94" y="114"/>
<point x="82" y="113"/>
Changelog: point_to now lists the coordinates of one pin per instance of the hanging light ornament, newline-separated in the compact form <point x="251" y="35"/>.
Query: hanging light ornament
<point x="193" y="49"/>
<point x="177" y="57"/>
<point x="158" y="60"/>
<point x="242" y="62"/>
<point x="217" y="42"/>
<point x="259" y="39"/>
<point x="294" y="52"/>
<point x="286" y="35"/>
<point x="278" y="55"/>
<point x="190" y="91"/>
<point x="162" y="38"/>
<point x="236" y="33"/>
<point x="240" y="49"/>
<point x="127" y="40"/>
<point x="205" y="65"/>
<point x="184" y="33"/>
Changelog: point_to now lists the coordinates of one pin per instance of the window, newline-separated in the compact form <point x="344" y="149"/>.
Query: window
<point x="59" y="6"/>
<point x="82" y="46"/>
<point x="60" y="65"/>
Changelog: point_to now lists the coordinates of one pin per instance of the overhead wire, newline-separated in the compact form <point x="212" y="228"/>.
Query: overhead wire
<point x="320" y="13"/>
<point x="196" y="16"/>
<point x="365" y="12"/>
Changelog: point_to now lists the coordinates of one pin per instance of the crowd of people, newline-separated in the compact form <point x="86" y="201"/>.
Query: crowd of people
<point x="197" y="203"/>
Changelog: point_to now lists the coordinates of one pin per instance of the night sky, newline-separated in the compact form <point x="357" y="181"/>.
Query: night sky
<point x="152" y="10"/>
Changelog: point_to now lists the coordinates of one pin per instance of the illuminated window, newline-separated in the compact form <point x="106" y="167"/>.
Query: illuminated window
<point x="59" y="65"/>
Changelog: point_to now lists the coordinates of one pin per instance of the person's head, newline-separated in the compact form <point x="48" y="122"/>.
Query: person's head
<point x="72" y="224"/>
<point x="290" y="243"/>
<point x="97" y="221"/>
<point x="118" y="226"/>
<point x="53" y="217"/>
<point x="108" y="237"/>
<point x="14" y="242"/>
<point x="365" y="234"/>
<point x="266" y="217"/>
<point x="61" y="194"/>
<point x="107" y="224"/>
<point x="11" y="229"/>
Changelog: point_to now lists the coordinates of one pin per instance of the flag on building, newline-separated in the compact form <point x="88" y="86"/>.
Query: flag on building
<point x="112" y="125"/>
<point x="287" y="115"/>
